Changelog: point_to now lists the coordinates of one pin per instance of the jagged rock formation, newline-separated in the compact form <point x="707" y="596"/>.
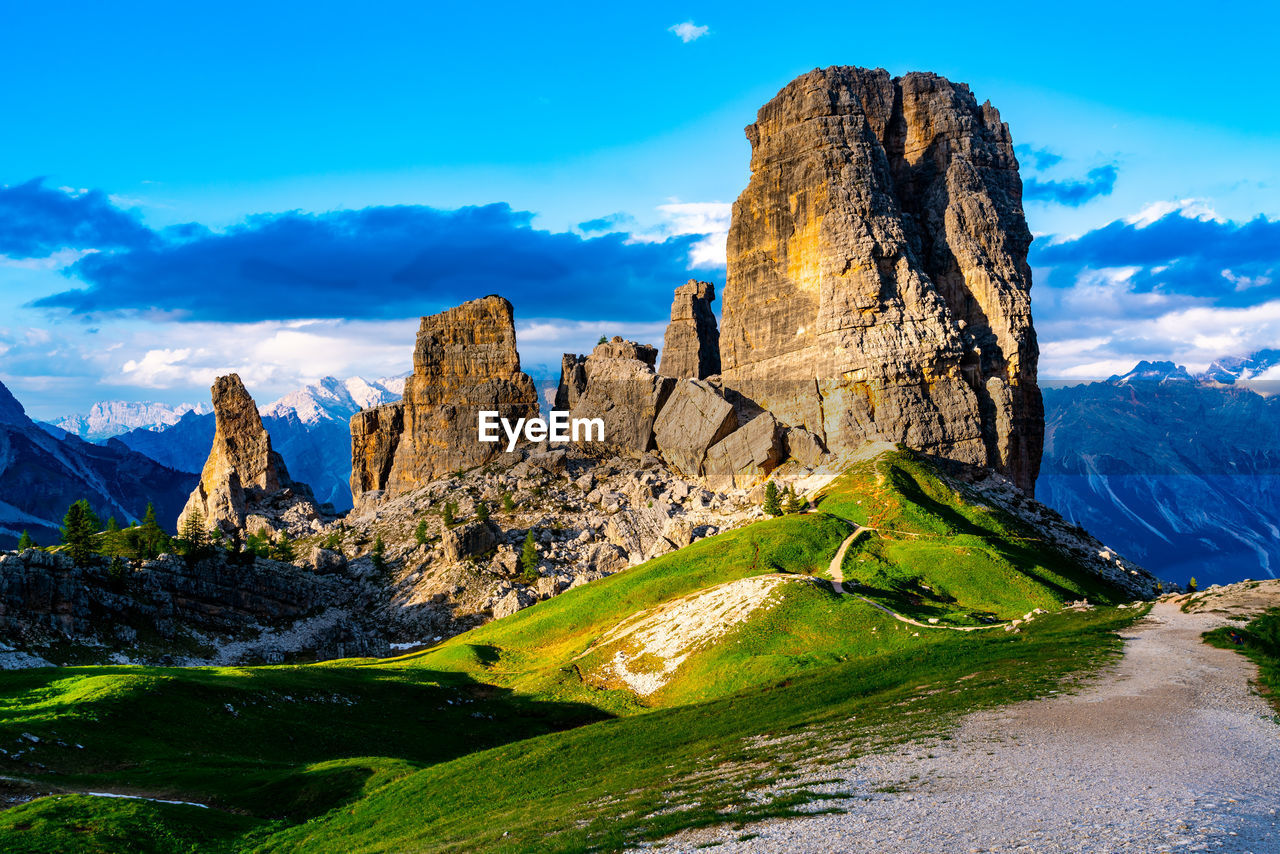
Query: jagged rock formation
<point x="691" y="348"/>
<point x="616" y="384"/>
<point x="877" y="276"/>
<point x="465" y="361"/>
<point x="244" y="485"/>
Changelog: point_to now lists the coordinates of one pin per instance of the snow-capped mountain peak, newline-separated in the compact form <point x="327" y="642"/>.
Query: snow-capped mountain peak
<point x="332" y="399"/>
<point x="109" y="418"/>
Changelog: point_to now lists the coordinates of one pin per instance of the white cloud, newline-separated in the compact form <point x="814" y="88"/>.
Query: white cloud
<point x="1244" y="283"/>
<point x="1199" y="209"/>
<point x="688" y="31"/>
<point x="707" y="218"/>
<point x="57" y="261"/>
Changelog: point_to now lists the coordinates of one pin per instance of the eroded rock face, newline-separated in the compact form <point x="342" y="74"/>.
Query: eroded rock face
<point x="244" y="484"/>
<point x="694" y="418"/>
<point x="465" y="361"/>
<point x="691" y="348"/>
<point x="616" y="384"/>
<point x="745" y="456"/>
<point x="877" y="276"/>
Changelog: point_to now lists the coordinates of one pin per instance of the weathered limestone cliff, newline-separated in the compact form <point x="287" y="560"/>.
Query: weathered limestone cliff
<point x="244" y="485"/>
<point x="465" y="361"/>
<point x="691" y="349"/>
<point x="877" y="275"/>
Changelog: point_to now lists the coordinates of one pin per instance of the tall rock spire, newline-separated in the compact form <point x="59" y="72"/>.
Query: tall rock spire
<point x="244" y="484"/>
<point x="878" y="284"/>
<point x="691" y="349"/>
<point x="465" y="361"/>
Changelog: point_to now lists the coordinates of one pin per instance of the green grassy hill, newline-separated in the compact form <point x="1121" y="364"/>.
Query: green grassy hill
<point x="657" y="698"/>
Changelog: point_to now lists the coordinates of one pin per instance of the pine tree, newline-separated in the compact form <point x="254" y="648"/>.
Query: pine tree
<point x="450" y="509"/>
<point x="112" y="525"/>
<point x="529" y="558"/>
<point x="282" y="550"/>
<point x="508" y="503"/>
<point x="604" y="339"/>
<point x="151" y="539"/>
<point x="116" y="572"/>
<point x="771" y="503"/>
<point x="378" y="553"/>
<point x="194" y="534"/>
<point x="25" y="542"/>
<point x="794" y="504"/>
<point x="80" y="532"/>
<point x="421" y="534"/>
<point x="482" y="512"/>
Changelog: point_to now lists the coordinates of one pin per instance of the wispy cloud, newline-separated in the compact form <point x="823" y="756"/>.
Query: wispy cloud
<point x="688" y="31"/>
<point x="1173" y="282"/>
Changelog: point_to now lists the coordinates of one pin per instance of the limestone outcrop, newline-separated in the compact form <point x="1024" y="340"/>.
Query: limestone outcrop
<point x="465" y="361"/>
<point x="877" y="271"/>
<point x="691" y="348"/>
<point x="746" y="455"/>
<point x="618" y="385"/>
<point x="244" y="485"/>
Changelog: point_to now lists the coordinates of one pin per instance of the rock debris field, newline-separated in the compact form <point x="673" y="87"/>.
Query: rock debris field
<point x="1170" y="750"/>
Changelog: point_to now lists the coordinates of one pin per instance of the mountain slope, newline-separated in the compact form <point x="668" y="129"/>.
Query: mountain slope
<point x="1180" y="473"/>
<point x="41" y="475"/>
<point x="526" y="733"/>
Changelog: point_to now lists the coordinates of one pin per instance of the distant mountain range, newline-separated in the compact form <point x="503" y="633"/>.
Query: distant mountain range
<point x="110" y="418"/>
<point x="41" y="475"/>
<point x="309" y="427"/>
<point x="1178" y="471"/>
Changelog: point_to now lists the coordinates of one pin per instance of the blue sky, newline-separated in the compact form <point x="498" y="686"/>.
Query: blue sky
<point x="275" y="188"/>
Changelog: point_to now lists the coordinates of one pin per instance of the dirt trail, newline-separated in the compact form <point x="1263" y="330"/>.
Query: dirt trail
<point x="836" y="571"/>
<point x="1169" y="750"/>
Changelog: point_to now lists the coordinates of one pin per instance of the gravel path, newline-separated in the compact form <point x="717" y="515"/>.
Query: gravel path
<point x="1170" y="750"/>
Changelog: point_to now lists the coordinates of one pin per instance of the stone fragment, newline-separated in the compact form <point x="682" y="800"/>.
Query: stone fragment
<point x="472" y="539"/>
<point x="803" y="447"/>
<point x="621" y="389"/>
<point x="745" y="456"/>
<point x="694" y="418"/>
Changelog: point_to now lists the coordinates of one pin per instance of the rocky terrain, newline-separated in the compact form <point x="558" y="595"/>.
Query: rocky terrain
<point x="877" y="283"/>
<point x="218" y="610"/>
